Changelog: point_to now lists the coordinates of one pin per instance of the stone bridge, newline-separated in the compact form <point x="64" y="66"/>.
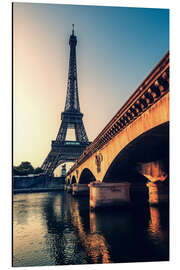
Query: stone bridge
<point x="129" y="159"/>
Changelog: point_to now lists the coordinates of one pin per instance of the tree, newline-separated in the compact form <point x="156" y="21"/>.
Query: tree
<point x="17" y="171"/>
<point x="38" y="170"/>
<point x="26" y="168"/>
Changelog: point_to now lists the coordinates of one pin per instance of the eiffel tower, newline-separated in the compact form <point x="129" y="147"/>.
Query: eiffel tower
<point x="61" y="149"/>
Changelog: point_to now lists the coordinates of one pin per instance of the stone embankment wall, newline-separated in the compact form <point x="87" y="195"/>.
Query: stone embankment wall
<point x="37" y="182"/>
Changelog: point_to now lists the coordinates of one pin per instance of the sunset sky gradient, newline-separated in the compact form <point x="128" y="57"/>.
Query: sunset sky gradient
<point x="117" y="48"/>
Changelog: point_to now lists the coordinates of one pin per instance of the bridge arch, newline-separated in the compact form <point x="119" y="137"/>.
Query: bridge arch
<point x="67" y="180"/>
<point x="150" y="146"/>
<point x="133" y="135"/>
<point x="86" y="177"/>
<point x="73" y="180"/>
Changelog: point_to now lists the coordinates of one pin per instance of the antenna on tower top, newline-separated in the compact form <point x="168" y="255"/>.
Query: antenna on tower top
<point x="73" y="29"/>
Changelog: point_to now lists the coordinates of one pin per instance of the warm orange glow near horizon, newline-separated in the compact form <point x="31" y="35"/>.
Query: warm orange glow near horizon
<point x="107" y="75"/>
<point x="35" y="122"/>
<point x="39" y="95"/>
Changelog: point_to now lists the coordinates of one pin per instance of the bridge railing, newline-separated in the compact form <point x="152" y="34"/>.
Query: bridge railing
<point x="154" y="87"/>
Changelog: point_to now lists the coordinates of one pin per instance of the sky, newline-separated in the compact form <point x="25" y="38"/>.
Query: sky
<point x="117" y="47"/>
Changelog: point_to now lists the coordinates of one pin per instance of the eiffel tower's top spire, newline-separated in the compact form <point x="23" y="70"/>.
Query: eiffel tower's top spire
<point x="72" y="99"/>
<point x="62" y="150"/>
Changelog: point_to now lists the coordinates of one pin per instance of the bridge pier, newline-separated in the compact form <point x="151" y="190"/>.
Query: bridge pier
<point x="109" y="194"/>
<point x="139" y="193"/>
<point x="80" y="189"/>
<point x="157" y="174"/>
<point x="158" y="192"/>
<point x="69" y="188"/>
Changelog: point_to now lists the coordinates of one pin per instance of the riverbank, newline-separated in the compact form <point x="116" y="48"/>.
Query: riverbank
<point x="37" y="183"/>
<point x="33" y="190"/>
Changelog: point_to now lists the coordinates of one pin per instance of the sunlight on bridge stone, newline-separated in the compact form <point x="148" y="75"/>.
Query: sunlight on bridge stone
<point x="128" y="163"/>
<point x="154" y="170"/>
<point x="80" y="189"/>
<point x="109" y="194"/>
<point x="110" y="204"/>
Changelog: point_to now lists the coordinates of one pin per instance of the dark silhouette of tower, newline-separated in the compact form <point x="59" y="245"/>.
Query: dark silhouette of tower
<point x="62" y="150"/>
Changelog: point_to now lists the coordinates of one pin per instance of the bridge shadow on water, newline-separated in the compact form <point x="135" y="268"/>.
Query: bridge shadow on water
<point x="80" y="236"/>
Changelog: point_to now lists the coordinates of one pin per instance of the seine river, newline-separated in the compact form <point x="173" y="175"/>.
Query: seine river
<point x="58" y="229"/>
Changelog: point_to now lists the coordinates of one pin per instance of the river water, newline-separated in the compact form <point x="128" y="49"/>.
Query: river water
<point x="58" y="229"/>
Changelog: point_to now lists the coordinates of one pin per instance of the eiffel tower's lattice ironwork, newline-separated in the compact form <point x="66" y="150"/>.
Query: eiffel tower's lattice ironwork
<point x="62" y="150"/>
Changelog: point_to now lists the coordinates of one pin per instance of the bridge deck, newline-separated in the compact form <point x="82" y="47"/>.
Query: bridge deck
<point x="153" y="88"/>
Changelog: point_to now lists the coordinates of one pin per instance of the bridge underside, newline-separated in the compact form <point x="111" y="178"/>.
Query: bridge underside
<point x="139" y="174"/>
<point x="86" y="177"/>
<point x="150" y="147"/>
<point x="131" y="154"/>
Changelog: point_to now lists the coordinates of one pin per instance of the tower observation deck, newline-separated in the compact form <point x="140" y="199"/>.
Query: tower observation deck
<point x="71" y="118"/>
